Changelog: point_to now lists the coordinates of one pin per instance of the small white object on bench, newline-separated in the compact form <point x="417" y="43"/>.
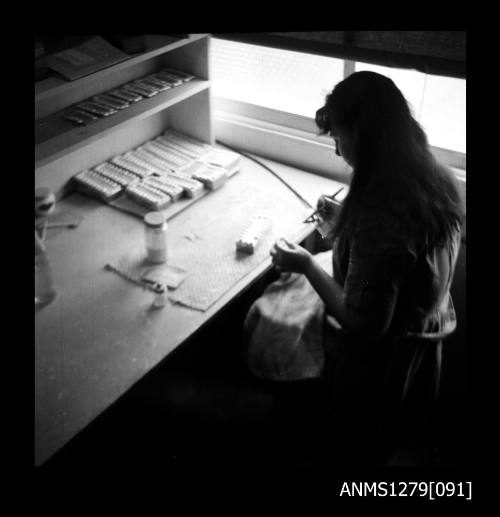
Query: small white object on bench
<point x="253" y="233"/>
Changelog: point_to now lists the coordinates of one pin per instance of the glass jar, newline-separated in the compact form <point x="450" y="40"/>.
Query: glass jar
<point x="156" y="237"/>
<point x="160" y="298"/>
<point x="45" y="291"/>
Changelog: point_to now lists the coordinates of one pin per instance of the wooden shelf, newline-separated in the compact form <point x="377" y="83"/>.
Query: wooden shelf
<point x="55" y="136"/>
<point x="55" y="86"/>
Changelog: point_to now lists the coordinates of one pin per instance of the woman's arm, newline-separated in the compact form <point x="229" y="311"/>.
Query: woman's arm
<point x="290" y="257"/>
<point x="331" y="292"/>
<point x="365" y="305"/>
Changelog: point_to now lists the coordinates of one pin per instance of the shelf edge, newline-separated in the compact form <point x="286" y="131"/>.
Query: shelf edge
<point x="65" y="86"/>
<point x="57" y="147"/>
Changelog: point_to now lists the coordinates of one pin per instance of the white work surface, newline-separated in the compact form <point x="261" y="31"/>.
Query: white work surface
<point x="100" y="335"/>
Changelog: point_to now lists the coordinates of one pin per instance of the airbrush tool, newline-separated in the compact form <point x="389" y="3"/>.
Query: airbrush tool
<point x="314" y="218"/>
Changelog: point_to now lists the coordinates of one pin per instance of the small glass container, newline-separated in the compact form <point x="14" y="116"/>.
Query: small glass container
<point x="45" y="291"/>
<point x="160" y="298"/>
<point x="156" y="237"/>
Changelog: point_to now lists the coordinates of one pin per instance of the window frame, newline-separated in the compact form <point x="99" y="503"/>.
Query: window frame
<point x="267" y="131"/>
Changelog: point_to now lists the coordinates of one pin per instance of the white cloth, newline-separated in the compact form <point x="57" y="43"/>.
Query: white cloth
<point x="286" y="328"/>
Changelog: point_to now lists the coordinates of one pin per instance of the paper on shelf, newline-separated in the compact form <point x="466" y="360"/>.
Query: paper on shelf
<point x="91" y="56"/>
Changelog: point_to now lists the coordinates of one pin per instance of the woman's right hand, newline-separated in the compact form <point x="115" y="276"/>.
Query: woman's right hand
<point x="327" y="208"/>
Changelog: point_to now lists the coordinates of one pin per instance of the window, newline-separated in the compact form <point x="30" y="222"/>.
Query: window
<point x="279" y="79"/>
<point x="438" y="103"/>
<point x="443" y="112"/>
<point x="266" y="86"/>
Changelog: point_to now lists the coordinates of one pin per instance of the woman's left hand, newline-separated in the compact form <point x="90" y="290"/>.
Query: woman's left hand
<point x="290" y="257"/>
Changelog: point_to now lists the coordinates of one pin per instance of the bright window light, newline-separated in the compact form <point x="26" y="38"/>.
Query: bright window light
<point x="297" y="83"/>
<point x="443" y="112"/>
<point x="279" y="79"/>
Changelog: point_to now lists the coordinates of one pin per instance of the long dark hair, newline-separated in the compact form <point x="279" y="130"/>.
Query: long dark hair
<point x="392" y="162"/>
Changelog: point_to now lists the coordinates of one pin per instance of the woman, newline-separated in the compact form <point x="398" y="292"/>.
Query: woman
<point x="362" y="316"/>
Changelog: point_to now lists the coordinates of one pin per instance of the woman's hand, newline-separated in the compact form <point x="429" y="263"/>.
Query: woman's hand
<point x="290" y="257"/>
<point x="327" y="208"/>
